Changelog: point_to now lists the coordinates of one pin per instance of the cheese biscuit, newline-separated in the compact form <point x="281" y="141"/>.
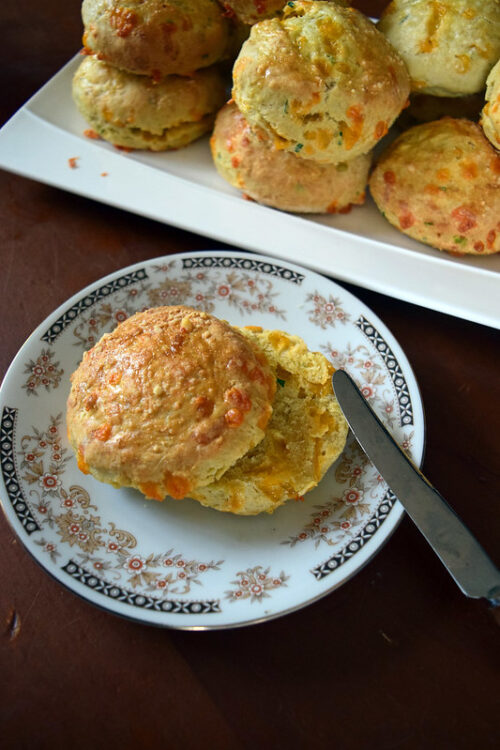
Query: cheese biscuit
<point x="168" y="401"/>
<point x="321" y="80"/>
<point x="440" y="183"/>
<point x="249" y="162"/>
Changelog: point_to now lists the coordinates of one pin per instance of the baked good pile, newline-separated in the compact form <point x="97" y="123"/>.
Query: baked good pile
<point x="152" y="76"/>
<point x="315" y="86"/>
<point x="318" y="91"/>
<point x="177" y="402"/>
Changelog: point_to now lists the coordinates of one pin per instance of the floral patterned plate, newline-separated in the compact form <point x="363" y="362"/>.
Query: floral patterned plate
<point x="178" y="564"/>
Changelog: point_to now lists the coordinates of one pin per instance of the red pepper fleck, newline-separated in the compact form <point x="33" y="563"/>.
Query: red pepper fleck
<point x="389" y="177"/>
<point x="89" y="133"/>
<point x="238" y="399"/>
<point x="72" y="162"/>
<point x="490" y="238"/>
<point x="233" y="417"/>
<point x="406" y="221"/>
<point x="465" y="217"/>
<point x="479" y="246"/>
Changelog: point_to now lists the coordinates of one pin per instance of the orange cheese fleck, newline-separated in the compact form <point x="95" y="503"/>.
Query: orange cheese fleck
<point x="102" y="433"/>
<point x="151" y="491"/>
<point x="177" y="486"/>
<point x="82" y="464"/>
<point x="123" y="21"/>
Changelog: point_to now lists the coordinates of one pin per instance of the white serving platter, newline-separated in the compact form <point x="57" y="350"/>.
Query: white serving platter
<point x="182" y="188"/>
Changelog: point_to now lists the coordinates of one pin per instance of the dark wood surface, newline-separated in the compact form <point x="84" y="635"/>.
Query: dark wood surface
<point x="396" y="658"/>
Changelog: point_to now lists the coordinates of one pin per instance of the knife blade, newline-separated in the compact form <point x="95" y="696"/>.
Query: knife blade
<point x="454" y="544"/>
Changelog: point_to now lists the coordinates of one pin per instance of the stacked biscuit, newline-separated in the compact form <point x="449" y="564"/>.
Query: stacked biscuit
<point x="314" y="89"/>
<point x="439" y="182"/>
<point x="151" y="78"/>
<point x="176" y="402"/>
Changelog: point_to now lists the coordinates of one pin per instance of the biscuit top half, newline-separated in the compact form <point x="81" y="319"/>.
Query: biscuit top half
<point x="168" y="401"/>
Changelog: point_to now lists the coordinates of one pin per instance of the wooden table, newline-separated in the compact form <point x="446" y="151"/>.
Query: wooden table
<point x="396" y="658"/>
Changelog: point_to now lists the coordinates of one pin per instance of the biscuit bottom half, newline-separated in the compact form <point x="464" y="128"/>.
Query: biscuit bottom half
<point x="305" y="435"/>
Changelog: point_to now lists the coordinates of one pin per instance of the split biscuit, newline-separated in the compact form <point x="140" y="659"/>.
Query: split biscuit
<point x="168" y="401"/>
<point x="305" y="435"/>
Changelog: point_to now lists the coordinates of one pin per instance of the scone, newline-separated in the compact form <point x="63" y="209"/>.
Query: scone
<point x="305" y="435"/>
<point x="168" y="401"/>
<point x="449" y="46"/>
<point x="135" y="112"/>
<point x="320" y="80"/>
<point x="278" y="178"/>
<point x="440" y="183"/>
<point x="490" y="116"/>
<point x="156" y="37"/>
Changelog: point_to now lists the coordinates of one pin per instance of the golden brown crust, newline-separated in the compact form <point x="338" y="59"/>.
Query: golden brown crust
<point x="277" y="178"/>
<point x="305" y="434"/>
<point x="168" y="401"/>
<point x="440" y="183"/>
<point x="153" y="38"/>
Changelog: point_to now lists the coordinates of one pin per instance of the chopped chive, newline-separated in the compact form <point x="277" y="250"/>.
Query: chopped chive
<point x="279" y="380"/>
<point x="298" y="147"/>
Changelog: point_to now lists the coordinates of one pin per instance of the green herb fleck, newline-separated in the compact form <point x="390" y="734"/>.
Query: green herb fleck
<point x="429" y="223"/>
<point x="290" y="5"/>
<point x="285" y="108"/>
<point x="442" y="187"/>
<point x="459" y="240"/>
<point x="279" y="380"/>
<point x="298" y="147"/>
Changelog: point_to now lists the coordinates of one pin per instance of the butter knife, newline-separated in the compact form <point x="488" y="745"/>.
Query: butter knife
<point x="456" y="547"/>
